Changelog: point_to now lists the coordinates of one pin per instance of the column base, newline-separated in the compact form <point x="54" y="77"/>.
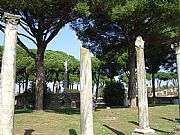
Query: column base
<point x="87" y="132"/>
<point x="147" y="131"/>
<point x="177" y="128"/>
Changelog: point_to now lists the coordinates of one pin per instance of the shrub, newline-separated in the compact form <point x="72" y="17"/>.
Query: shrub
<point x="30" y="95"/>
<point x="114" y="94"/>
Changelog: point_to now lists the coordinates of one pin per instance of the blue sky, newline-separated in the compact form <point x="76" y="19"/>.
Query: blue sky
<point x="65" y="41"/>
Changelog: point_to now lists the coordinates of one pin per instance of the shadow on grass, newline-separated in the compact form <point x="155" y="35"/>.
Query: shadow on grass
<point x="167" y="119"/>
<point x="161" y="131"/>
<point x="114" y="130"/>
<point x="134" y="122"/>
<point x="72" y="132"/>
<point x="28" y="131"/>
<point x="65" y="111"/>
<point x="19" y="111"/>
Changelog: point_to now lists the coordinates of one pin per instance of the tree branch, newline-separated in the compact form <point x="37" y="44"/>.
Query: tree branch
<point x="2" y="28"/>
<point x="47" y="25"/>
<point x="20" y="43"/>
<point x="26" y="30"/>
<point x="172" y="30"/>
<point x="22" y="21"/>
<point x="58" y="27"/>
<point x="30" y="24"/>
<point x="27" y="37"/>
<point x="54" y="33"/>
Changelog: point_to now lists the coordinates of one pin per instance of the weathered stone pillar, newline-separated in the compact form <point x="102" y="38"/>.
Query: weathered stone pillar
<point x="8" y="72"/>
<point x="65" y="76"/>
<point x="142" y="91"/>
<point x="86" y="119"/>
<point x="176" y="47"/>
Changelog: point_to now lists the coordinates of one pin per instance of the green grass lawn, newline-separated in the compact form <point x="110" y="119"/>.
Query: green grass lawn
<point x="114" y="121"/>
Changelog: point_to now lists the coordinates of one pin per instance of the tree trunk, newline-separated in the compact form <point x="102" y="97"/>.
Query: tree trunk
<point x="77" y="86"/>
<point x="26" y="90"/>
<point x="23" y="86"/>
<point x="54" y="85"/>
<point x="33" y="85"/>
<point x="59" y="87"/>
<point x="167" y="83"/>
<point x="132" y="78"/>
<point x="68" y="83"/>
<point x="26" y="85"/>
<point x="40" y="78"/>
<point x="153" y="87"/>
<point x="158" y="84"/>
<point x="97" y="86"/>
<point x="19" y="83"/>
<point x="111" y="80"/>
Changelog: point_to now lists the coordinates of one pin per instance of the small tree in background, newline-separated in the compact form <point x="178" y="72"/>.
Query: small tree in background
<point x="114" y="94"/>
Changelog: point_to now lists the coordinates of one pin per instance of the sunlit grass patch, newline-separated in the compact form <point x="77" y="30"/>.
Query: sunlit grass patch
<point x="114" y="121"/>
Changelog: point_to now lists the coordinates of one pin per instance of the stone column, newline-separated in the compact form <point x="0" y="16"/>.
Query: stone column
<point x="142" y="91"/>
<point x="8" y="73"/>
<point x="176" y="47"/>
<point x="86" y="119"/>
<point x="65" y="76"/>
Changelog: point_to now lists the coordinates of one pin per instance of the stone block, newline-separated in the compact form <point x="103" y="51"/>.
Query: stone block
<point x="148" y="131"/>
